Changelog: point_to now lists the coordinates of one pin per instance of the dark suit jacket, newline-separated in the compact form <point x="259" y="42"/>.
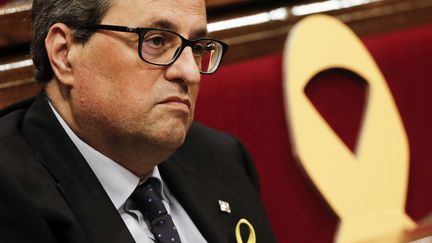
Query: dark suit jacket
<point x="48" y="193"/>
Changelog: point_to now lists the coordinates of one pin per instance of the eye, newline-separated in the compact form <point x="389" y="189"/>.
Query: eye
<point x="155" y="41"/>
<point x="198" y="49"/>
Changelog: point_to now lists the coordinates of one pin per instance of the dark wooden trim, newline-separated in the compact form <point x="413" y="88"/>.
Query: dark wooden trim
<point x="375" y="17"/>
<point x="15" y="23"/>
<point x="378" y="16"/>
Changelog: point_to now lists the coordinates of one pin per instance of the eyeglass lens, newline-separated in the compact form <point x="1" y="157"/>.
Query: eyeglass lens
<point x="161" y="47"/>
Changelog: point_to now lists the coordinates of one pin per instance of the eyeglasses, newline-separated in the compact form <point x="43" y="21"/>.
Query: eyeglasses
<point x="163" y="47"/>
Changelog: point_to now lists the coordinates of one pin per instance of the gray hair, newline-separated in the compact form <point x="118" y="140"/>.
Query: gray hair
<point x="74" y="13"/>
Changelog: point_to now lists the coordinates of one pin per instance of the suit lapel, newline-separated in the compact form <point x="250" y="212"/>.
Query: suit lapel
<point x="88" y="201"/>
<point x="199" y="197"/>
<point x="207" y="168"/>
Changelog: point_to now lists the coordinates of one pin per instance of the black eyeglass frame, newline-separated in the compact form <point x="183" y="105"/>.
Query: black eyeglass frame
<point x="140" y="31"/>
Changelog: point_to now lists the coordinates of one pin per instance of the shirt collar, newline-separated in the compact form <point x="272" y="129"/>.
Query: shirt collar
<point x="118" y="182"/>
<point x="156" y="174"/>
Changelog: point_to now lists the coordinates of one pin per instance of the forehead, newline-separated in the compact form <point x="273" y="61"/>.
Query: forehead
<point x="145" y="13"/>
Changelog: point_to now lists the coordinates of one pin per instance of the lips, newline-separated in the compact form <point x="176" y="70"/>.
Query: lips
<point x="177" y="101"/>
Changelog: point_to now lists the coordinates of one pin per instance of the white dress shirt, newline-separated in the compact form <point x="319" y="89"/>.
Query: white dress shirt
<point x="119" y="183"/>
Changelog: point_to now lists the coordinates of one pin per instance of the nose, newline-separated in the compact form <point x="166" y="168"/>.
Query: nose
<point x="184" y="68"/>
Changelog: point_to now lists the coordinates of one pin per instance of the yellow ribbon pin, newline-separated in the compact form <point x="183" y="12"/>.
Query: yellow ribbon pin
<point x="251" y="238"/>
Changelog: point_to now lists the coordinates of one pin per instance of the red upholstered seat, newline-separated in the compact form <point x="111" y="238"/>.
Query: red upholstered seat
<point x="245" y="99"/>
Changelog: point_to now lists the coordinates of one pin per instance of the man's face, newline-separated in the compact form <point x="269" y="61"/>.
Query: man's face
<point x="126" y="98"/>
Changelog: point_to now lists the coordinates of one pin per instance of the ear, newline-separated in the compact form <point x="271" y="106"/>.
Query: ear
<point x="58" y="44"/>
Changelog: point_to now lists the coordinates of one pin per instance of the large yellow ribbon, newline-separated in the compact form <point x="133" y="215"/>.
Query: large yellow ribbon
<point x="251" y="238"/>
<point x="366" y="188"/>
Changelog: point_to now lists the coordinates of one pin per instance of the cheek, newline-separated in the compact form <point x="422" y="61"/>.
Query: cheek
<point x="100" y="74"/>
<point x="193" y="94"/>
<point x="107" y="57"/>
<point x="194" y="90"/>
<point x="87" y="98"/>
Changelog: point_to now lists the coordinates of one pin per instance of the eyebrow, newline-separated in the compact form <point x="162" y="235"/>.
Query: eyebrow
<point x="168" y="25"/>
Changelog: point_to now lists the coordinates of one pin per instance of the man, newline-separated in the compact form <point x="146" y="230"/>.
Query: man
<point x="79" y="162"/>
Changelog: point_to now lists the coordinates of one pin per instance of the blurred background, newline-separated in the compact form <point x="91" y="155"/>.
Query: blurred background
<point x="245" y="97"/>
<point x="252" y="28"/>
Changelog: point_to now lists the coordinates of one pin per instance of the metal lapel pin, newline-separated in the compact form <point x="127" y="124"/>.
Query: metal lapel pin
<point x="224" y="206"/>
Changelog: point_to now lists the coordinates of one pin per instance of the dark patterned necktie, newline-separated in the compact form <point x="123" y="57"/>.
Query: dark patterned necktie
<point x="147" y="197"/>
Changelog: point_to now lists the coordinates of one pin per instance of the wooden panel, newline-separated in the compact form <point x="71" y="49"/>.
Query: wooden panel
<point x="15" y="23"/>
<point x="16" y="80"/>
<point x="16" y="70"/>
<point x="245" y="42"/>
<point x="376" y="17"/>
<point x="18" y="91"/>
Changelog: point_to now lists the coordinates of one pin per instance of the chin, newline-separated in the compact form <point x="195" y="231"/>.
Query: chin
<point x="172" y="137"/>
